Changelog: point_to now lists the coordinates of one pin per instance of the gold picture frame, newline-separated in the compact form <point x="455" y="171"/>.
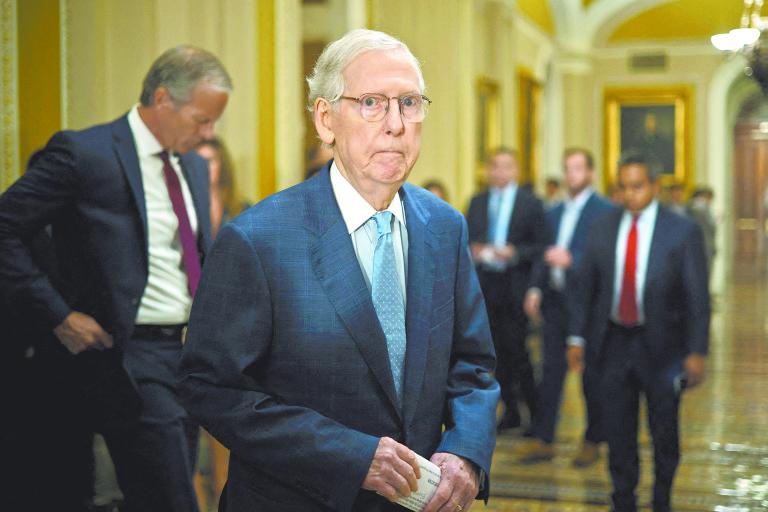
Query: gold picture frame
<point x="529" y="97"/>
<point x="488" y="123"/>
<point x="655" y="120"/>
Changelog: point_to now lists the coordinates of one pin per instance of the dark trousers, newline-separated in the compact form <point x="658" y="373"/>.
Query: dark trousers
<point x="509" y="328"/>
<point x="627" y="372"/>
<point x="554" y="369"/>
<point x="155" y="455"/>
<point x="47" y="454"/>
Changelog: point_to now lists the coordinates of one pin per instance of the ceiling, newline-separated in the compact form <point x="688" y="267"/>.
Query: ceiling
<point x="668" y="20"/>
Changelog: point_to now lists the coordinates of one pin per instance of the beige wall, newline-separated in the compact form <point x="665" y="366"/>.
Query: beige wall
<point x="111" y="44"/>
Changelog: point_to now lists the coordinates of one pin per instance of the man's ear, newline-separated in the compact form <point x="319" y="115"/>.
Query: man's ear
<point x="323" y="121"/>
<point x="162" y="98"/>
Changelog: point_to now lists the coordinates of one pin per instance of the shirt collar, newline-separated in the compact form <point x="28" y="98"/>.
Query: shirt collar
<point x="146" y="143"/>
<point x="647" y="214"/>
<point x="506" y="190"/>
<point x="581" y="198"/>
<point x="354" y="208"/>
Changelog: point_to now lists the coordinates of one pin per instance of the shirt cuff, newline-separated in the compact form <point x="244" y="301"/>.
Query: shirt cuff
<point x="576" y="341"/>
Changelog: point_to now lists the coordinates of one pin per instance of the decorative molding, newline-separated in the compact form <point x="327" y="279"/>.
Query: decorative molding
<point x="9" y="72"/>
<point x="64" y="16"/>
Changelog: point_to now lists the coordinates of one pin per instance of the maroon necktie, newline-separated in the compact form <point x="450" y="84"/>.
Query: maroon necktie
<point x="628" y="301"/>
<point x="189" y="254"/>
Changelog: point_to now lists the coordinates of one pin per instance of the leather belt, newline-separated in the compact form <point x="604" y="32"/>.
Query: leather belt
<point x="176" y="332"/>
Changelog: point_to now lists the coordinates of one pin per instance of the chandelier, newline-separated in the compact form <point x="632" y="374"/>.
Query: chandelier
<point x="751" y="40"/>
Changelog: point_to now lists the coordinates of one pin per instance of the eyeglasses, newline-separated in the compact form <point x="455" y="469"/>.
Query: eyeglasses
<point x="373" y="107"/>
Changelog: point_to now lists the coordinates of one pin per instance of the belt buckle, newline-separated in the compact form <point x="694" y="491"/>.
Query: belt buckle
<point x="184" y="335"/>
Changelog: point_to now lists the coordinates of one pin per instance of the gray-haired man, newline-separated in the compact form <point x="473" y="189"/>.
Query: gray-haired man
<point x="128" y="207"/>
<point x="340" y="329"/>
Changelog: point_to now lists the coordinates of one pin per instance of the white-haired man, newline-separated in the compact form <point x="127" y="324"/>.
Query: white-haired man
<point x="339" y="329"/>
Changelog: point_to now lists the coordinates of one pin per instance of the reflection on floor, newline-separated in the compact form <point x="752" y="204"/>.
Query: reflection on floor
<point x="724" y="430"/>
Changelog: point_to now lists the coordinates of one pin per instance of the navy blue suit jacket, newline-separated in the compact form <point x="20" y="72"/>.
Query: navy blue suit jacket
<point x="594" y="208"/>
<point x="527" y="231"/>
<point x="87" y="186"/>
<point x="286" y="363"/>
<point x="676" y="295"/>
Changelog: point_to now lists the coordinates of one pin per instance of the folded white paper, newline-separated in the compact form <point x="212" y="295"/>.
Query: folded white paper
<point x="430" y="479"/>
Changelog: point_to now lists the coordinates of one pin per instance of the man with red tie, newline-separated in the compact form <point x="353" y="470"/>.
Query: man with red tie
<point x="641" y="315"/>
<point x="128" y="206"/>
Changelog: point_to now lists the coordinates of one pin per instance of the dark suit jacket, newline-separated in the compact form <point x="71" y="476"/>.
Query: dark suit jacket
<point x="595" y="207"/>
<point x="528" y="232"/>
<point x="286" y="363"/>
<point x="676" y="296"/>
<point x="87" y="186"/>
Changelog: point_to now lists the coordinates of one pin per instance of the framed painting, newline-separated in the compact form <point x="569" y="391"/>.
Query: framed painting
<point x="529" y="95"/>
<point x="655" y="121"/>
<point x="488" y="132"/>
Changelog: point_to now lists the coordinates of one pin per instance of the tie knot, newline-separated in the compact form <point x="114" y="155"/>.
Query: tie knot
<point x="383" y="222"/>
<point x="164" y="157"/>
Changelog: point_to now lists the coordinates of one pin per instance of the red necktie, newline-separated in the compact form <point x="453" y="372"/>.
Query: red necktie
<point x="628" y="301"/>
<point x="189" y="254"/>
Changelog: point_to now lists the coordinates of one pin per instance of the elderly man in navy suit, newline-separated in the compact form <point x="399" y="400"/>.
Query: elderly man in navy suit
<point x="340" y="329"/>
<point x="641" y="313"/>
<point x="552" y="280"/>
<point x="129" y="213"/>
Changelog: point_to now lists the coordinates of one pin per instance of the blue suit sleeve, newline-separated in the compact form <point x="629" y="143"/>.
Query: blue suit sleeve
<point x="229" y="341"/>
<point x="470" y="425"/>
<point x="696" y="280"/>
<point x="47" y="187"/>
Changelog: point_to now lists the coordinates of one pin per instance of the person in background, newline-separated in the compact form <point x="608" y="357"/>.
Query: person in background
<point x="676" y="199"/>
<point x="553" y="194"/>
<point x="507" y="234"/>
<point x="700" y="210"/>
<point x="614" y="194"/>
<point x="317" y="157"/>
<point x="640" y="313"/>
<point x="313" y="355"/>
<point x="437" y="188"/>
<point x="553" y="278"/>
<point x="128" y="206"/>
<point x="226" y="203"/>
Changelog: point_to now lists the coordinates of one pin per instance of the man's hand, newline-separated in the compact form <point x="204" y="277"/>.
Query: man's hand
<point x="477" y="251"/>
<point x="558" y="257"/>
<point x="79" y="332"/>
<point x="532" y="304"/>
<point x="695" y="368"/>
<point x="575" y="356"/>
<point x="394" y="472"/>
<point x="505" y="253"/>
<point x="459" y="484"/>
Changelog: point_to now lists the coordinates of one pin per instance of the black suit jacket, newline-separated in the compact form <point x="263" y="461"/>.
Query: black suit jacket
<point x="676" y="296"/>
<point x="528" y="232"/>
<point x="87" y="186"/>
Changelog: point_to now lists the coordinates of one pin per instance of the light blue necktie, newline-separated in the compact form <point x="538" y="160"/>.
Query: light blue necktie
<point x="388" y="298"/>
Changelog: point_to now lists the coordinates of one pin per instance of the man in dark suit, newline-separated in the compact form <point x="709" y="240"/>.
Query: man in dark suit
<point x="641" y="314"/>
<point x="340" y="329"/>
<point x="508" y="233"/>
<point x="129" y="214"/>
<point x="551" y="280"/>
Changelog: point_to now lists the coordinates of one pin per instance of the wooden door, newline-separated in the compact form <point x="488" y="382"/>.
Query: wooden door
<point x="751" y="191"/>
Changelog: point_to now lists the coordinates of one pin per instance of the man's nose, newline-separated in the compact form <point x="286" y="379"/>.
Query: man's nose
<point x="393" y="119"/>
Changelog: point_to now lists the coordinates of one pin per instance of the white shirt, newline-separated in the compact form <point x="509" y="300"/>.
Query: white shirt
<point x="356" y="212"/>
<point x="572" y="208"/>
<point x="646" y="225"/>
<point x="501" y="201"/>
<point x="166" y="299"/>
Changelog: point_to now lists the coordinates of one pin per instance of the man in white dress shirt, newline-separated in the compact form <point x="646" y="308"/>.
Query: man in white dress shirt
<point x="129" y="213"/>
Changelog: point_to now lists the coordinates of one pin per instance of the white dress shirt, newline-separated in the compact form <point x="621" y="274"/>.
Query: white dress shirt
<point x="501" y="201"/>
<point x="166" y="299"/>
<point x="646" y="225"/>
<point x="572" y="208"/>
<point x="357" y="212"/>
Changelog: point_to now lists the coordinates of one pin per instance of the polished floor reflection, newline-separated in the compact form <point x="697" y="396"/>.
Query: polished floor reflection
<point x="724" y="429"/>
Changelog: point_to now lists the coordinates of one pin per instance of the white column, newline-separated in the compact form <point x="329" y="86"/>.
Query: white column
<point x="9" y="108"/>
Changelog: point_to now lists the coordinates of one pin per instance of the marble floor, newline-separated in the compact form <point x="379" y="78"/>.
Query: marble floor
<point x="724" y="429"/>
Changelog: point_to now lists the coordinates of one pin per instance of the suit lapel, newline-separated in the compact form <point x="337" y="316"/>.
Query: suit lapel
<point x="610" y="250"/>
<point x="199" y="188"/>
<point x="125" y="149"/>
<point x="336" y="267"/>
<point x="421" y="273"/>
<point x="655" y="254"/>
